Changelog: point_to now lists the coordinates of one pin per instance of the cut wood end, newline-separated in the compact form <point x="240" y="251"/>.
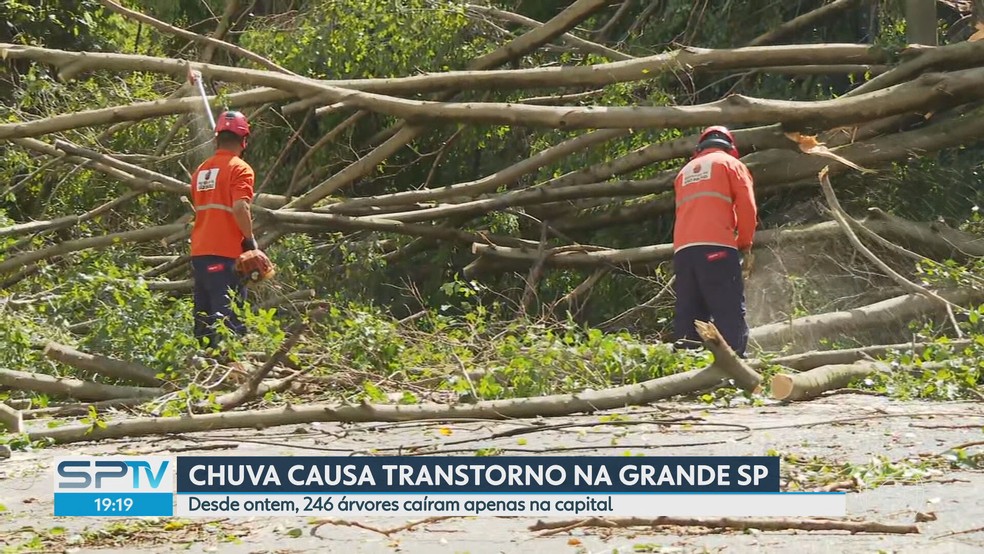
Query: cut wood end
<point x="708" y="332"/>
<point x="782" y="386"/>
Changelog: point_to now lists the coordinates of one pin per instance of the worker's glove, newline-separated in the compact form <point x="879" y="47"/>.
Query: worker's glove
<point x="249" y="244"/>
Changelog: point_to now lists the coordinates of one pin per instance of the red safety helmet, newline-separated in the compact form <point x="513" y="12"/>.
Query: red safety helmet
<point x="234" y="122"/>
<point x="717" y="136"/>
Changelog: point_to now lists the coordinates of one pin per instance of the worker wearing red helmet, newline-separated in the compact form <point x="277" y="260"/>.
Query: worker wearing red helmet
<point x="715" y="223"/>
<point x="221" y="192"/>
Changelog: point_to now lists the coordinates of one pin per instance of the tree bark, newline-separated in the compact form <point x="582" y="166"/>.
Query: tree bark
<point x="933" y="239"/>
<point x="806" y="332"/>
<point x="480" y="76"/>
<point x="72" y="388"/>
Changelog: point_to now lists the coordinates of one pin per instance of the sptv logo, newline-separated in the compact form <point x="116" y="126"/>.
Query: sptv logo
<point x="143" y="474"/>
<point x="114" y="486"/>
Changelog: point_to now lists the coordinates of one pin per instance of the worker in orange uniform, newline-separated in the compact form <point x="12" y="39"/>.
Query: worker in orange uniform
<point x="715" y="222"/>
<point x="221" y="192"/>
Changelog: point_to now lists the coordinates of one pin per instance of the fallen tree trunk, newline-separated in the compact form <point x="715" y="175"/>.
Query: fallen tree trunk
<point x="813" y="383"/>
<point x="762" y="524"/>
<point x="480" y="75"/>
<point x="807" y="332"/>
<point x="72" y="388"/>
<point x="818" y="358"/>
<point x="119" y="369"/>
<point x="545" y="406"/>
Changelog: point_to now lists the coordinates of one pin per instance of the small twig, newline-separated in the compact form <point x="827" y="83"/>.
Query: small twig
<point x="384" y="532"/>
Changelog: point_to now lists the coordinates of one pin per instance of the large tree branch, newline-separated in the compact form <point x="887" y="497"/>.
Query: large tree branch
<point x="480" y="76"/>
<point x="140" y="235"/>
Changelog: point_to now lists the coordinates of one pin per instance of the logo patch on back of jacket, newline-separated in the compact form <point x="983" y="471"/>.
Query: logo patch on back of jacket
<point x="206" y="179"/>
<point x="696" y="173"/>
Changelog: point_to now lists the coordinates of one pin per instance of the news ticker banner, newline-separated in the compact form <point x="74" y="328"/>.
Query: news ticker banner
<point x="229" y="486"/>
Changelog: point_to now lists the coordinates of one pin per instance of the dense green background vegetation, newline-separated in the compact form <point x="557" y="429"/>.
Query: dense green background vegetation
<point x="95" y="302"/>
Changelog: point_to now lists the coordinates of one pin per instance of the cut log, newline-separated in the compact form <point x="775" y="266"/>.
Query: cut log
<point x="813" y="383"/>
<point x="72" y="388"/>
<point x="804" y="333"/>
<point x="724" y="357"/>
<point x="544" y="406"/>
<point x="103" y="365"/>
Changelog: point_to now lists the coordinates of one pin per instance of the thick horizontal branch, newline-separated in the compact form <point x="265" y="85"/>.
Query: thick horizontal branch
<point x="103" y="365"/>
<point x="126" y="237"/>
<point x="807" y="332"/>
<point x="931" y="238"/>
<point x="335" y="222"/>
<point x="486" y="184"/>
<point x="816" y="358"/>
<point x="132" y="112"/>
<point x="71" y="388"/>
<point x="639" y="69"/>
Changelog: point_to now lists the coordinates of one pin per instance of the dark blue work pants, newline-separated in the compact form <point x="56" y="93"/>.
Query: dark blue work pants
<point x="709" y="287"/>
<point x="217" y="287"/>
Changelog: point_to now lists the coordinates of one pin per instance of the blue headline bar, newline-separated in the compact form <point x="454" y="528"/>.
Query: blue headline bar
<point x="394" y="474"/>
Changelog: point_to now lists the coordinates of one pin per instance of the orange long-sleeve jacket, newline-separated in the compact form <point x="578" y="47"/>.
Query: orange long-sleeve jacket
<point x="215" y="186"/>
<point x="715" y="203"/>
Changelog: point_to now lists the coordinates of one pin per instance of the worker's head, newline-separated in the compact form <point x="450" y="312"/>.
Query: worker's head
<point x="717" y="136"/>
<point x="231" y="131"/>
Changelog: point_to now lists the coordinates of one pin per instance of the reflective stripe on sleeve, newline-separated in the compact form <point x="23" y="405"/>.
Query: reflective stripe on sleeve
<point x="222" y="207"/>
